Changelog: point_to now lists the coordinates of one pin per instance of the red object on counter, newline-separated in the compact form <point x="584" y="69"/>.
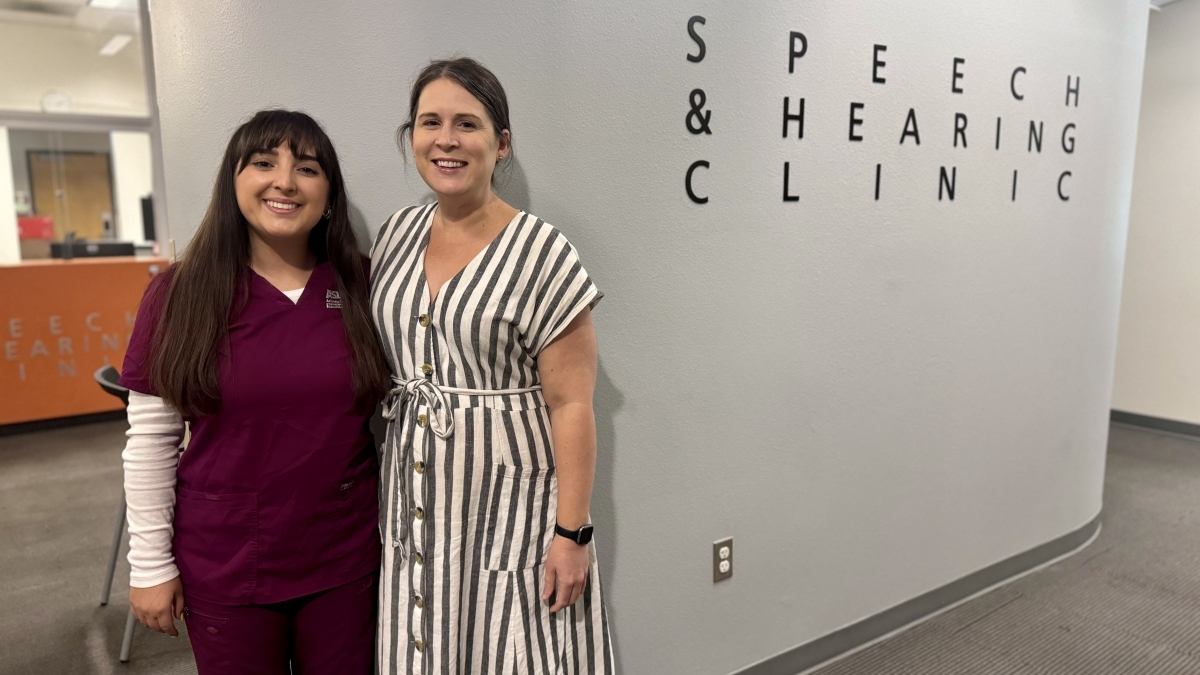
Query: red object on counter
<point x="35" y="227"/>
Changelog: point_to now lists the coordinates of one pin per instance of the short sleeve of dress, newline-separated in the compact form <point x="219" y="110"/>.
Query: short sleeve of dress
<point x="563" y="290"/>
<point x="392" y="227"/>
<point x="135" y="371"/>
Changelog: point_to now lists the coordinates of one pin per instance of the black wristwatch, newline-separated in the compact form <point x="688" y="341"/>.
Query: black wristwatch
<point x="582" y="536"/>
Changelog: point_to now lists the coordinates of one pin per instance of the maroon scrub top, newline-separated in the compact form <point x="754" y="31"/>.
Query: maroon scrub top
<point x="276" y="493"/>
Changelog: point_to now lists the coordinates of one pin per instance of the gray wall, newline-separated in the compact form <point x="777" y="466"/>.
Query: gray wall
<point x="1158" y="365"/>
<point x="874" y="398"/>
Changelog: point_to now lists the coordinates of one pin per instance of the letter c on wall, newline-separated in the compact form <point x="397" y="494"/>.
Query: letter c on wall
<point x="1012" y="83"/>
<point x="687" y="181"/>
<point x="1062" y="196"/>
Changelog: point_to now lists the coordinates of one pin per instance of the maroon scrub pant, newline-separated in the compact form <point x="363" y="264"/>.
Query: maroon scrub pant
<point x="326" y="633"/>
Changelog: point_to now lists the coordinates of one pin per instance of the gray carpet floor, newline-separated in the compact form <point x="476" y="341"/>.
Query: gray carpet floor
<point x="60" y="492"/>
<point x="1129" y="604"/>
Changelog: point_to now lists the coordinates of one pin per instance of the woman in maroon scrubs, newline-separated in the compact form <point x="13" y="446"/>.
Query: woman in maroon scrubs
<point x="263" y="534"/>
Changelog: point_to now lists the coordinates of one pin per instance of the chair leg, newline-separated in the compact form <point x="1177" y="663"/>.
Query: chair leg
<point x="127" y="641"/>
<point x="116" y="550"/>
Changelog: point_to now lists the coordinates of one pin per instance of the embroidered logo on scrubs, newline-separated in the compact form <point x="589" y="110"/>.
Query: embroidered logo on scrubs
<point x="333" y="300"/>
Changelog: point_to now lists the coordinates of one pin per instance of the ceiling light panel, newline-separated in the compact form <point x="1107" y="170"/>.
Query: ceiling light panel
<point x="122" y="5"/>
<point x="116" y="44"/>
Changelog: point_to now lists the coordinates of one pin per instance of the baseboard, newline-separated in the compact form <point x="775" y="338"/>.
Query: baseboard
<point x="58" y="422"/>
<point x="811" y="654"/>
<point x="1156" y="423"/>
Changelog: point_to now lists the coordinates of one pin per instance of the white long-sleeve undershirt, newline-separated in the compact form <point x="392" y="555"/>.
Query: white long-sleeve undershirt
<point x="151" y="457"/>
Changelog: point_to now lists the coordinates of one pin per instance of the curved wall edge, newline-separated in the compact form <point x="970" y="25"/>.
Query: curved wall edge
<point x="843" y="642"/>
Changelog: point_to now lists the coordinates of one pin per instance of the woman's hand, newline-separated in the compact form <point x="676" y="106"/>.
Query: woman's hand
<point x="157" y="606"/>
<point x="566" y="573"/>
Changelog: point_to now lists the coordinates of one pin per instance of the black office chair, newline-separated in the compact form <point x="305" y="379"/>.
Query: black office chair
<point x="107" y="377"/>
<point x="109" y="380"/>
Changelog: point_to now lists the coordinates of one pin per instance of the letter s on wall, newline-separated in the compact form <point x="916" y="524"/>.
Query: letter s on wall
<point x="699" y="40"/>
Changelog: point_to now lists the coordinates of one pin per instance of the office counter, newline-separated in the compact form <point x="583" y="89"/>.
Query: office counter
<point x="59" y="322"/>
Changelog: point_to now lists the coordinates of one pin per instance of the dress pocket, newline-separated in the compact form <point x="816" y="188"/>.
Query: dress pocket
<point x="216" y="544"/>
<point x="521" y="491"/>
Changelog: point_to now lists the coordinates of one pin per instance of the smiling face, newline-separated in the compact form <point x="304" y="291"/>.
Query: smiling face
<point x="281" y="195"/>
<point x="454" y="143"/>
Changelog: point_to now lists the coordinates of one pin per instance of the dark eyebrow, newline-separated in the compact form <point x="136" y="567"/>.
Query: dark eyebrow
<point x="273" y="153"/>
<point x="459" y="116"/>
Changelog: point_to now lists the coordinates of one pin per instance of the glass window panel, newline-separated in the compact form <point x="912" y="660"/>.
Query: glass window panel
<point x="72" y="56"/>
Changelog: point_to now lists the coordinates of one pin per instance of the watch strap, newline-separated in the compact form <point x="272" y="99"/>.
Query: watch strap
<point x="582" y="536"/>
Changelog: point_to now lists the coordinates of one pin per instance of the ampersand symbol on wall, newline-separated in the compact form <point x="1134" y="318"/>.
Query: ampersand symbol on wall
<point x="697" y="120"/>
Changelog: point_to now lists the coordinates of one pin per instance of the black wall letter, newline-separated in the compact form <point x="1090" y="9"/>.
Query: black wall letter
<point x="1035" y="135"/>
<point x="948" y="182"/>
<point x="879" y="63"/>
<point x="854" y="121"/>
<point x="960" y="129"/>
<point x="789" y="117"/>
<point x="1014" y="194"/>
<point x="957" y="76"/>
<point x="687" y="181"/>
<point x="793" y="53"/>
<point x="910" y="128"/>
<point x="1073" y="90"/>
<point x="1068" y="148"/>
<point x="1060" y="192"/>
<point x="878" y="169"/>
<point x="1012" y="84"/>
<point x="699" y="40"/>
<point x="997" y="133"/>
<point x="788" y="197"/>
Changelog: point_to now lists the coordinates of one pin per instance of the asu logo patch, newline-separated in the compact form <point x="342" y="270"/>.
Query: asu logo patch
<point x="333" y="300"/>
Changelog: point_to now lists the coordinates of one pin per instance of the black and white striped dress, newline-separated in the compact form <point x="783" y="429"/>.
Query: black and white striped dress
<point x="468" y="492"/>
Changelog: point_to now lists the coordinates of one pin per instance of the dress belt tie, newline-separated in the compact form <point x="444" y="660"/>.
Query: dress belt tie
<point x="402" y="400"/>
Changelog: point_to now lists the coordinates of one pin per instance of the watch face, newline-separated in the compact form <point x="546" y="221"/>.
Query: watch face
<point x="585" y="534"/>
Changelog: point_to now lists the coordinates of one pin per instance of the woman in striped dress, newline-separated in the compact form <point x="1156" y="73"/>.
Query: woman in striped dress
<point x="487" y="468"/>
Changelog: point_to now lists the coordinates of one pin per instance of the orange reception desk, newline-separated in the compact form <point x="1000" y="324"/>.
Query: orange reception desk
<point x="61" y="321"/>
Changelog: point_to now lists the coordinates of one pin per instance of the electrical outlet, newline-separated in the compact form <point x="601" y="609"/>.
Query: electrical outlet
<point x="722" y="559"/>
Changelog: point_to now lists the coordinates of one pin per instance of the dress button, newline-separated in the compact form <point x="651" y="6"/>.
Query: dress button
<point x="419" y="645"/>
<point x="427" y="369"/>
<point x="424" y="320"/>
<point x="422" y="421"/>
<point x="419" y="602"/>
<point x="418" y="559"/>
<point x="419" y="467"/>
<point x="418" y="513"/>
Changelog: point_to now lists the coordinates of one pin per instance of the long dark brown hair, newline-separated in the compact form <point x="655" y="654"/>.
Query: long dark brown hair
<point x="476" y="79"/>
<point x="210" y="284"/>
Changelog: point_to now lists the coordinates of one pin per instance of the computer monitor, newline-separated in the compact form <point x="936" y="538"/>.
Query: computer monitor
<point x="92" y="249"/>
